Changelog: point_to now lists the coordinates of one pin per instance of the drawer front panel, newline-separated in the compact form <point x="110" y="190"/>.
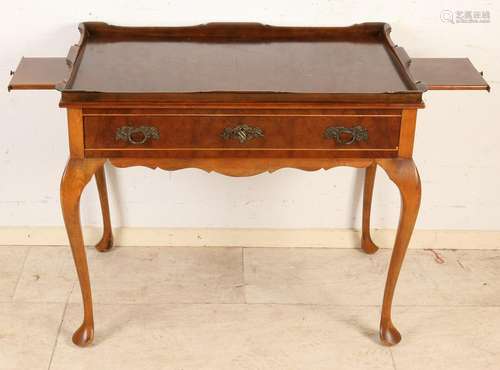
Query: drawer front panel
<point x="250" y="132"/>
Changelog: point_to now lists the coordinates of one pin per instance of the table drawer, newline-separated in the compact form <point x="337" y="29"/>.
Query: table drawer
<point x="247" y="132"/>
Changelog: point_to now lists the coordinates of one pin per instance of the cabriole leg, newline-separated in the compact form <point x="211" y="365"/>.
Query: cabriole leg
<point x="404" y="174"/>
<point x="106" y="242"/>
<point x="76" y="176"/>
<point x="366" y="241"/>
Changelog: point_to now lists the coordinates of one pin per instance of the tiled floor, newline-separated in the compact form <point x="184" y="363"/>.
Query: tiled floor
<point x="252" y="308"/>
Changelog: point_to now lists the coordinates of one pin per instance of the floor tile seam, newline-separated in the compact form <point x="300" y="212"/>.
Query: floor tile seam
<point x="63" y="316"/>
<point x="21" y="271"/>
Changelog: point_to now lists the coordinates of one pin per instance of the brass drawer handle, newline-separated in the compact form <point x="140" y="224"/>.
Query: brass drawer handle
<point x="357" y="133"/>
<point x="137" y="135"/>
<point x="242" y="133"/>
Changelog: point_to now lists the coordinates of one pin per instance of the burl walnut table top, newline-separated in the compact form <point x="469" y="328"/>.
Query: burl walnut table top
<point x="247" y="62"/>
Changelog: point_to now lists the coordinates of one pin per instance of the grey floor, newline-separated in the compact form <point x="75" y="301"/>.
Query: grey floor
<point x="249" y="308"/>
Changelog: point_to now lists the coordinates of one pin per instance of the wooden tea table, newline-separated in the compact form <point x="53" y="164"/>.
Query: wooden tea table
<point x="241" y="99"/>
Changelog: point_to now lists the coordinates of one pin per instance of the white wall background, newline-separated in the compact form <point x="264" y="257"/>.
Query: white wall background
<point x="457" y="144"/>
